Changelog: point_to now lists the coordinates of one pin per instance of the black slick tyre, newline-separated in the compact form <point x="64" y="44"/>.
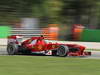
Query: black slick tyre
<point x="12" y="49"/>
<point x="62" y="51"/>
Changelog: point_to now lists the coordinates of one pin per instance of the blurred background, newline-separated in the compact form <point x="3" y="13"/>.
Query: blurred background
<point x="73" y="20"/>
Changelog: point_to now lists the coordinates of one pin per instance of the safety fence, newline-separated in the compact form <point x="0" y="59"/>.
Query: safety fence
<point x="26" y="32"/>
<point x="48" y="33"/>
<point x="4" y="31"/>
<point x="31" y="32"/>
<point x="90" y="35"/>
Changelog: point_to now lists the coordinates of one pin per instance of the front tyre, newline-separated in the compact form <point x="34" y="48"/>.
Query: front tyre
<point x="62" y="51"/>
<point x="12" y="49"/>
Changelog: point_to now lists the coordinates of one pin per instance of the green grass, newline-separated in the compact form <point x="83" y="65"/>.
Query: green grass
<point x="45" y="65"/>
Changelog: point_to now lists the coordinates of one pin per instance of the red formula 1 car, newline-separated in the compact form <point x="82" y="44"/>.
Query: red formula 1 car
<point x="40" y="45"/>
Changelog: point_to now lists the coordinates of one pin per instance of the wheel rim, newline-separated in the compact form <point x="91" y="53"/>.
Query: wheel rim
<point x="10" y="50"/>
<point x="61" y="51"/>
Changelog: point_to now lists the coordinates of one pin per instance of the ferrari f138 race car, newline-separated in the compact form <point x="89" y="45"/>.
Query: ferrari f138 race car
<point x="40" y="45"/>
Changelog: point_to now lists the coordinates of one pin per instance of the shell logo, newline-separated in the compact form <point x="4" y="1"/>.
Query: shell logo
<point x="40" y="47"/>
<point x="53" y="46"/>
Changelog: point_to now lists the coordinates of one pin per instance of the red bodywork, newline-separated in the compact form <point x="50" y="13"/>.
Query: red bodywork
<point x="38" y="44"/>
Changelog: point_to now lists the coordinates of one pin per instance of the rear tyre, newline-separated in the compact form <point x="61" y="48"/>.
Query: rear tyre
<point x="12" y="49"/>
<point x="62" y="51"/>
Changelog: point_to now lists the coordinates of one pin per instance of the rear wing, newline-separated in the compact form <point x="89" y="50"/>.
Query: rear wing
<point x="15" y="39"/>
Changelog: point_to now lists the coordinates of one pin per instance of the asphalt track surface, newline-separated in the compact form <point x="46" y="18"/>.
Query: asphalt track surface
<point x="95" y="54"/>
